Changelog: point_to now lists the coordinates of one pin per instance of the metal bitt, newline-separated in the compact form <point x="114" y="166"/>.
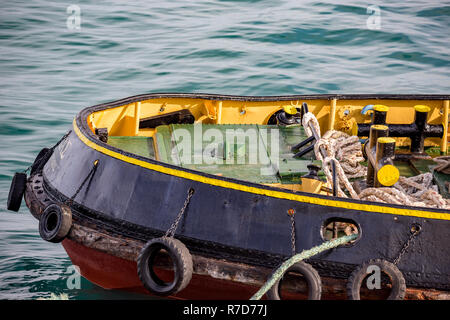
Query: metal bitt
<point x="379" y="114"/>
<point x="289" y="116"/>
<point x="380" y="151"/>
<point x="416" y="131"/>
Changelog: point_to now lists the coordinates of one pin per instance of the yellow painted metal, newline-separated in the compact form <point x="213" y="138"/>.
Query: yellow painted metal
<point x="146" y="132"/>
<point x="290" y="109"/>
<point x="381" y="108"/>
<point x="422" y="108"/>
<point x="219" y="112"/>
<point x="380" y="127"/>
<point x="137" y="112"/>
<point x="388" y="175"/>
<point x="91" y="122"/>
<point x="354" y="131"/>
<point x="332" y="114"/>
<point x="307" y="185"/>
<point x="335" y="114"/>
<point x="385" y="139"/>
<point x="313" y="186"/>
<point x="331" y="202"/>
<point x="203" y="119"/>
<point x="210" y="109"/>
<point x="445" y="119"/>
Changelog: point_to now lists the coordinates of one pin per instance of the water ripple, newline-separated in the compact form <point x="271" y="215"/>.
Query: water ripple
<point x="246" y="47"/>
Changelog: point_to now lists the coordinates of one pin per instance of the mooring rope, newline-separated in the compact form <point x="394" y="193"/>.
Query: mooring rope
<point x="416" y="191"/>
<point x="305" y="254"/>
<point x="443" y="164"/>
<point x="342" y="149"/>
<point x="346" y="152"/>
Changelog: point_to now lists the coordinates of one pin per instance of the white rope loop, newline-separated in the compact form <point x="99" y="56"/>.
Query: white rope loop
<point x="346" y="151"/>
<point x="341" y="148"/>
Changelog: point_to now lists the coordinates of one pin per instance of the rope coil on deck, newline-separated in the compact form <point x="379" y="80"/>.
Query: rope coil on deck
<point x="414" y="191"/>
<point x="341" y="148"/>
<point x="443" y="164"/>
<point x="346" y="153"/>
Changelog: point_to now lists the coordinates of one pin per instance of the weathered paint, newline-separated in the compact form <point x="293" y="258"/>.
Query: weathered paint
<point x="235" y="220"/>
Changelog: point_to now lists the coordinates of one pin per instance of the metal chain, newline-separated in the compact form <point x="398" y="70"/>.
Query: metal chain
<point x="62" y="139"/>
<point x="171" y="231"/>
<point x="90" y="174"/>
<point x="415" y="230"/>
<point x="27" y="169"/>
<point x="291" y="213"/>
<point x="293" y="234"/>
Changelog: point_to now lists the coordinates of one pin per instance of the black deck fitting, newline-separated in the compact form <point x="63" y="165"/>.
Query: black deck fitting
<point x="304" y="150"/>
<point x="416" y="131"/>
<point x="380" y="151"/>
<point x="313" y="172"/>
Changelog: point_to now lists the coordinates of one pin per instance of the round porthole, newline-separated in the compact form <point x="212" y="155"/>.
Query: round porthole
<point x="334" y="228"/>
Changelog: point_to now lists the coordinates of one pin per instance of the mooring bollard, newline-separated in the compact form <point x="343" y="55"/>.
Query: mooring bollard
<point x="380" y="151"/>
<point x="379" y="114"/>
<point x="416" y="131"/>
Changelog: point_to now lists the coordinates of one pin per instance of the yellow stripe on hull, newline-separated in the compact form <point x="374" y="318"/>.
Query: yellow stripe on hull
<point x="271" y="193"/>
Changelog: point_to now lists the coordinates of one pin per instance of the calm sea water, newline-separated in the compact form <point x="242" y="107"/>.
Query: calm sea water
<point x="54" y="62"/>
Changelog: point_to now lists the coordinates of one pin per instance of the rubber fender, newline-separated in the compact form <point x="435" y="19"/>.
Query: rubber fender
<point x="55" y="223"/>
<point x="16" y="191"/>
<point x="311" y="276"/>
<point x="182" y="263"/>
<point x="359" y="274"/>
<point x="41" y="160"/>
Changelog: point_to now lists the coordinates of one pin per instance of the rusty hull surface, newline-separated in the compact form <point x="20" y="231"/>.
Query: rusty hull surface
<point x="90" y="236"/>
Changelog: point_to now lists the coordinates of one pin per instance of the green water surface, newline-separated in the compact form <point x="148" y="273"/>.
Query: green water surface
<point x="49" y="71"/>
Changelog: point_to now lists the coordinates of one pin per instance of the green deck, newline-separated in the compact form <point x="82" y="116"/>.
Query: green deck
<point x="247" y="154"/>
<point x="142" y="146"/>
<point x="236" y="151"/>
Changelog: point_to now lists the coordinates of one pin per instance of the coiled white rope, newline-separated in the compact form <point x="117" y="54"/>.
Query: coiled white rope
<point x="416" y="191"/>
<point x="346" y="151"/>
<point x="341" y="148"/>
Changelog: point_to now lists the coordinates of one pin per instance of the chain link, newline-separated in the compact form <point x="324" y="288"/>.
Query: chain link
<point x="62" y="139"/>
<point x="52" y="148"/>
<point x="291" y="213"/>
<point x="90" y="175"/>
<point x="27" y="169"/>
<point x="415" y="230"/>
<point x="293" y="235"/>
<point x="171" y="231"/>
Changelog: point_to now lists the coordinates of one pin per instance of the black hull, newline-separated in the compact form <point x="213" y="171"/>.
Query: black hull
<point x="235" y="220"/>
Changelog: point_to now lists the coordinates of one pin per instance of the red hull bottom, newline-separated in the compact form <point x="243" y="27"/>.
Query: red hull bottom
<point x="111" y="272"/>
